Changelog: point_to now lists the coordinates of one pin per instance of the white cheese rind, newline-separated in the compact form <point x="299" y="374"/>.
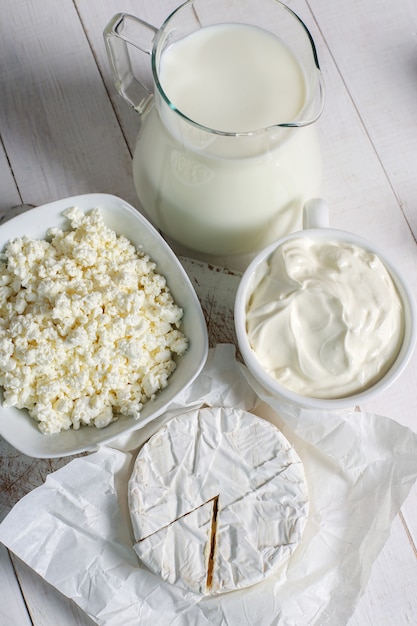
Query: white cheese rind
<point x="252" y="468"/>
<point x="192" y="533"/>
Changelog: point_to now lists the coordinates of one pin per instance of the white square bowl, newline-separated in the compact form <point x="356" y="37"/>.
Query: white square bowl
<point x="16" y="426"/>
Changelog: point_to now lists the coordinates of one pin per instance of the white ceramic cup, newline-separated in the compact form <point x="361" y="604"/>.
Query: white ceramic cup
<point x="315" y="222"/>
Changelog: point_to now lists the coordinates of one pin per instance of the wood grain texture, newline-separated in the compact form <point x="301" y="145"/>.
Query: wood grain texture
<point x="375" y="51"/>
<point x="9" y="195"/>
<point x="64" y="131"/>
<point x="47" y="606"/>
<point x="57" y="124"/>
<point x="19" y="474"/>
<point x="398" y="605"/>
<point x="13" y="611"/>
<point x="208" y="282"/>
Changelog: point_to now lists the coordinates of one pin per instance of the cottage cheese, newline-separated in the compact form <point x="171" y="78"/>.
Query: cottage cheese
<point x="88" y="328"/>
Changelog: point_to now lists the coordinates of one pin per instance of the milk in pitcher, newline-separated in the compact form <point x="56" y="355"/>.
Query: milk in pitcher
<point x="227" y="183"/>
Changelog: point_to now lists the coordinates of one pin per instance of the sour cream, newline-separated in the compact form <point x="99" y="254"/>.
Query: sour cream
<point x="325" y="319"/>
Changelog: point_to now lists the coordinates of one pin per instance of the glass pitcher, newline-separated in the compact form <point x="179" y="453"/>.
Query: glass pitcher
<point x="227" y="151"/>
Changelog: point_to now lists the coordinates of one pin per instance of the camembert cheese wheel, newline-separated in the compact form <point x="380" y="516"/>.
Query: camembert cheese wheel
<point x="218" y="500"/>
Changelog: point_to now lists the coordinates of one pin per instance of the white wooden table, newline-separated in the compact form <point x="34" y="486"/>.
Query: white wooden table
<point x="65" y="131"/>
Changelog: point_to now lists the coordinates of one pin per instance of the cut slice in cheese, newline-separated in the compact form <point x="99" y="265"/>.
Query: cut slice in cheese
<point x="218" y="500"/>
<point x="181" y="551"/>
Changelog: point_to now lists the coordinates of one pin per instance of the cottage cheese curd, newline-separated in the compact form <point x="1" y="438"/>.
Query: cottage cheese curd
<point x="325" y="319"/>
<point x="88" y="328"/>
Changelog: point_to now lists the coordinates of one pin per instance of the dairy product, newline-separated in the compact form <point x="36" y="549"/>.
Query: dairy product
<point x="227" y="194"/>
<point x="324" y="318"/>
<point x="218" y="500"/>
<point x="88" y="328"/>
<point x="233" y="78"/>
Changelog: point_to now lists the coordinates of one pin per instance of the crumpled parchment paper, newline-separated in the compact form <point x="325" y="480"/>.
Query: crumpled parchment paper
<point x="75" y="530"/>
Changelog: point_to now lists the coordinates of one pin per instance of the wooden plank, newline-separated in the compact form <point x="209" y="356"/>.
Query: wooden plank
<point x="409" y="513"/>
<point x="391" y="595"/>
<point x="46" y="605"/>
<point x="19" y="474"/>
<point x="374" y="51"/>
<point x="9" y="195"/>
<point x="218" y="312"/>
<point x="355" y="184"/>
<point x="13" y="611"/>
<point x="57" y="124"/>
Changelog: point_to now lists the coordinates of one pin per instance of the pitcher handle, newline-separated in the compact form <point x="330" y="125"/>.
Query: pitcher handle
<point x="121" y="30"/>
<point x="315" y="214"/>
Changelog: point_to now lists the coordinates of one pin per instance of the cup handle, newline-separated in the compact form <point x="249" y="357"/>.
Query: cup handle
<point x="121" y="30"/>
<point x="315" y="214"/>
